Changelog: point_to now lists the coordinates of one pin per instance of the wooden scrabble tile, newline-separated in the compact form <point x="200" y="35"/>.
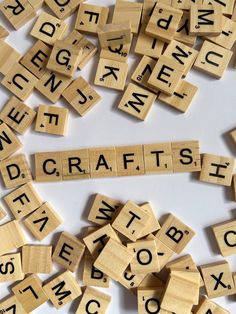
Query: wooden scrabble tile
<point x="11" y="268"/>
<point x="147" y="45"/>
<point x="226" y="6"/>
<point x="181" y="54"/>
<point x="68" y="252"/>
<point x="182" y="97"/>
<point x="174" y="300"/>
<point x="104" y="209"/>
<point x="48" y="167"/>
<point x="3" y="32"/>
<point x="63" y="9"/>
<point x="93" y="276"/>
<point x="217" y="169"/>
<point x="20" y="81"/>
<point x="116" y="52"/>
<point x="18" y="13"/>
<point x="15" y="171"/>
<point x="9" y="57"/>
<point x="227" y="37"/>
<point x="62" y="290"/>
<point x="52" y="120"/>
<point x="213" y="59"/>
<point x="218" y="279"/>
<point x="164" y="22"/>
<point x="164" y="253"/>
<point x="153" y="223"/>
<point x="64" y="60"/>
<point x="111" y="74"/>
<point x="30" y="293"/>
<point x="225" y="237"/>
<point x="36" y="58"/>
<point x="37" y="259"/>
<point x="48" y="28"/>
<point x="11" y="304"/>
<point x="90" y="17"/>
<point x="149" y="300"/>
<point x="102" y="162"/>
<point x="43" y="221"/>
<point x="96" y="240"/>
<point x="137" y="101"/>
<point x="93" y="300"/>
<point x="208" y="306"/>
<point x="183" y="31"/>
<point x="52" y="85"/>
<point x="166" y="75"/>
<point x="186" y="156"/>
<point x="114" y="34"/>
<point x="205" y="19"/>
<point x="131" y="221"/>
<point x="23" y="201"/>
<point x="114" y="259"/>
<point x="86" y="47"/>
<point x="175" y="234"/>
<point x="81" y="96"/>
<point x="129" y="160"/>
<point x="36" y="4"/>
<point x="12" y="237"/>
<point x="128" y="11"/>
<point x="2" y="213"/>
<point x="9" y="142"/>
<point x="145" y="257"/>
<point x="143" y="72"/>
<point x="158" y="158"/>
<point x="75" y="164"/>
<point x="17" y="115"/>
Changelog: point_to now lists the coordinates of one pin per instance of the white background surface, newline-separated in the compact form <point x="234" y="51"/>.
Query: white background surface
<point x="199" y="205"/>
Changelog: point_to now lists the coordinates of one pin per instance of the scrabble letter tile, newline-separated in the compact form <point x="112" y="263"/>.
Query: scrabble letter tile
<point x="15" y="171"/>
<point x="131" y="221"/>
<point x="175" y="234"/>
<point x="29" y="293"/>
<point x="218" y="279"/>
<point x="137" y="101"/>
<point x="43" y="221"/>
<point x="217" y="169"/>
<point x="68" y="252"/>
<point x="20" y="81"/>
<point x="81" y="96"/>
<point x="23" y="200"/>
<point x="93" y="300"/>
<point x="62" y="290"/>
<point x="111" y="74"/>
<point x="186" y="156"/>
<point x="52" y="120"/>
<point x="48" y="28"/>
<point x="114" y="259"/>
<point x="17" y="115"/>
<point x="37" y="259"/>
